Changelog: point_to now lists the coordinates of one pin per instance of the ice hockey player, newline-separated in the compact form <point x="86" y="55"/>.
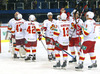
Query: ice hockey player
<point x="75" y="32"/>
<point x="62" y="11"/>
<point x="58" y="18"/>
<point x="19" y="33"/>
<point x="61" y="39"/>
<point x="31" y="28"/>
<point x="88" y="45"/>
<point x="10" y="36"/>
<point x="49" y="26"/>
<point x="69" y="18"/>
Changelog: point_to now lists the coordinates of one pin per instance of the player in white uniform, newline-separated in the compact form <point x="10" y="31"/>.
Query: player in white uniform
<point x="19" y="34"/>
<point x="31" y="28"/>
<point x="58" y="18"/>
<point x="48" y="27"/>
<point x="88" y="45"/>
<point x="61" y="39"/>
<point x="75" y="32"/>
<point x="9" y="35"/>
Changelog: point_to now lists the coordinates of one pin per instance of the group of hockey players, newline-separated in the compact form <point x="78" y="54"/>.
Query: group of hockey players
<point x="59" y="34"/>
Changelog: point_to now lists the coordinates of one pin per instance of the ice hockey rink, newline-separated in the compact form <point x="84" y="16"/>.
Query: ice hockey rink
<point x="8" y="65"/>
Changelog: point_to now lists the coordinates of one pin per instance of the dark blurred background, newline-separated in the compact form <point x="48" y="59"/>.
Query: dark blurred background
<point x="40" y="8"/>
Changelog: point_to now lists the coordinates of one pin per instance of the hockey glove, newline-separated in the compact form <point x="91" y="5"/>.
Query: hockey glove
<point x="40" y="37"/>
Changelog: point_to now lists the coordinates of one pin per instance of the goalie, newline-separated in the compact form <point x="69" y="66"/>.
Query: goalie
<point x="11" y="36"/>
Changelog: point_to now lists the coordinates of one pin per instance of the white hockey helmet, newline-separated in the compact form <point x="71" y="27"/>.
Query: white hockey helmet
<point x="74" y="12"/>
<point x="90" y="14"/>
<point x="16" y="13"/>
<point x="63" y="16"/>
<point x="19" y="16"/>
<point x="32" y="18"/>
<point x="58" y="16"/>
<point x="49" y="13"/>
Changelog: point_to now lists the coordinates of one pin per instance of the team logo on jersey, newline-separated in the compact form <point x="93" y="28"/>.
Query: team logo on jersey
<point x="72" y="24"/>
<point x="52" y="27"/>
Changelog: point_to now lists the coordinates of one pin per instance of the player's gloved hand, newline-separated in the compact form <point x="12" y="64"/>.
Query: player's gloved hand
<point x="78" y="30"/>
<point x="44" y="28"/>
<point x="40" y="37"/>
<point x="53" y="41"/>
<point x="13" y="36"/>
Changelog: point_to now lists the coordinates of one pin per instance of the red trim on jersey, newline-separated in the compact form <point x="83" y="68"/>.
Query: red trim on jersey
<point x="55" y="33"/>
<point x="81" y="58"/>
<point x="12" y="31"/>
<point x="9" y="28"/>
<point x="93" y="58"/>
<point x="86" y="33"/>
<point x="78" y="53"/>
<point x="44" y="28"/>
<point x="65" y="55"/>
<point x="38" y="30"/>
<point x="73" y="53"/>
<point x="50" y="49"/>
<point x="57" y="55"/>
<point x="34" y="50"/>
<point x="16" y="49"/>
<point x="27" y="50"/>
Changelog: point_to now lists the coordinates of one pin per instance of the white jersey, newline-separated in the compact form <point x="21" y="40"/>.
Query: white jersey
<point x="30" y="30"/>
<point x="50" y="25"/>
<point x="72" y="30"/>
<point x="16" y="28"/>
<point x="61" y="33"/>
<point x="10" y="24"/>
<point x="89" y="30"/>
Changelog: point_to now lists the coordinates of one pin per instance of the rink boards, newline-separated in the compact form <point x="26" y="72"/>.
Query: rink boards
<point x="4" y="32"/>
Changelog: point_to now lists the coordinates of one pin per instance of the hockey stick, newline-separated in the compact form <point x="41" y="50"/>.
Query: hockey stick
<point x="63" y="50"/>
<point x="78" y="21"/>
<point x="43" y="45"/>
<point x="41" y="40"/>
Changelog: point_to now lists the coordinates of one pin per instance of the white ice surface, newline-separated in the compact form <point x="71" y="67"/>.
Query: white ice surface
<point x="42" y="66"/>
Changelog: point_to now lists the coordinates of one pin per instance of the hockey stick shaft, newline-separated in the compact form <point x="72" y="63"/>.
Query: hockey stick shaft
<point x="66" y="52"/>
<point x="41" y="40"/>
<point x="63" y="50"/>
<point x="43" y="45"/>
<point x="78" y="21"/>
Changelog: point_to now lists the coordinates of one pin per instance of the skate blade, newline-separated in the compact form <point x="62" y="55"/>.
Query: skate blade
<point x="78" y="69"/>
<point x="22" y="57"/>
<point x="50" y="60"/>
<point x="16" y="58"/>
<point x="33" y="60"/>
<point x="28" y="60"/>
<point x="58" y="68"/>
<point x="64" y="68"/>
<point x="94" y="68"/>
<point x="72" y="62"/>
